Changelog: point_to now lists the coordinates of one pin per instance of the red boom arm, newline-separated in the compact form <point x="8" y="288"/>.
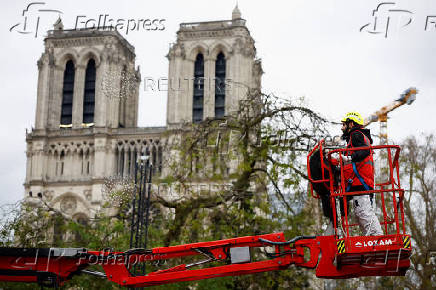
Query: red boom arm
<point x="54" y="266"/>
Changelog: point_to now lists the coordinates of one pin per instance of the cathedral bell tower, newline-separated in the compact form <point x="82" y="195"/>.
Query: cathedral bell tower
<point x="212" y="66"/>
<point x="87" y="92"/>
<point x="86" y="79"/>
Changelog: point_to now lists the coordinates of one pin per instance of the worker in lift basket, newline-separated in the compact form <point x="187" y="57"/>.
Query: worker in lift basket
<point x="359" y="172"/>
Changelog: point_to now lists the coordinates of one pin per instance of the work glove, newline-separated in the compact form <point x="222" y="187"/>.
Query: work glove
<point x="346" y="159"/>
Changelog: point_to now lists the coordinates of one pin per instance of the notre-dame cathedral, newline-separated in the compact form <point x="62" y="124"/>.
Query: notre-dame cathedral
<point x="87" y="105"/>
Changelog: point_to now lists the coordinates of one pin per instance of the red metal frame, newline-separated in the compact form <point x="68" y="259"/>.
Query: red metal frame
<point x="390" y="253"/>
<point x="380" y="188"/>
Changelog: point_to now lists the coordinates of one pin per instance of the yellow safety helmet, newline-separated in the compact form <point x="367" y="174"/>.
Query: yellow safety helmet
<point x="354" y="116"/>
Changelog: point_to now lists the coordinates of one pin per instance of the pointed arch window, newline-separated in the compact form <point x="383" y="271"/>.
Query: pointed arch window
<point x="67" y="95"/>
<point x="123" y="93"/>
<point x="89" y="94"/>
<point x="197" y="108"/>
<point x="58" y="229"/>
<point x="82" y="220"/>
<point x="220" y="88"/>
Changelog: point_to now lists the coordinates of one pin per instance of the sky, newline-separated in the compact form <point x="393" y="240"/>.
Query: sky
<point x="338" y="54"/>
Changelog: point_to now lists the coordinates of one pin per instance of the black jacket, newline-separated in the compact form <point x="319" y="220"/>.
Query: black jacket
<point x="358" y="140"/>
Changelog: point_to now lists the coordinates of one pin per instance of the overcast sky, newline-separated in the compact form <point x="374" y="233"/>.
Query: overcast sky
<point x="317" y="49"/>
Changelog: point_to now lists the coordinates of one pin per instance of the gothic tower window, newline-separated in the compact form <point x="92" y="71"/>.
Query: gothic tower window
<point x="153" y="159"/>
<point x="86" y="164"/>
<point x="124" y="82"/>
<point x="58" y="229"/>
<point x="220" y="89"/>
<point x="81" y="158"/>
<point x="82" y="220"/>
<point x="197" y="108"/>
<point x="89" y="94"/>
<point x="120" y="161"/>
<point x="60" y="164"/>
<point x="67" y="95"/>
<point x="159" y="157"/>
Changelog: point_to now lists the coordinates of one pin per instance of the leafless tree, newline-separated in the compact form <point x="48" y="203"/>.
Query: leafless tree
<point x="419" y="169"/>
<point x="258" y="149"/>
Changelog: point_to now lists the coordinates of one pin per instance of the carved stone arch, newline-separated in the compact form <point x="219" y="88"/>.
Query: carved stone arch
<point x="67" y="197"/>
<point x="153" y="153"/>
<point x="73" y="148"/>
<point x="82" y="219"/>
<point x="80" y="215"/>
<point x="198" y="48"/>
<point x="67" y="150"/>
<point x="154" y="146"/>
<point x="220" y="46"/>
<point x="89" y="53"/>
<point x="64" y="56"/>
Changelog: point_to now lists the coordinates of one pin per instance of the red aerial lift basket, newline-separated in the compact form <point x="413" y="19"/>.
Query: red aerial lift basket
<point x="357" y="255"/>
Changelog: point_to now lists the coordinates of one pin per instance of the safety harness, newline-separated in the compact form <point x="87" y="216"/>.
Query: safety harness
<point x="356" y="172"/>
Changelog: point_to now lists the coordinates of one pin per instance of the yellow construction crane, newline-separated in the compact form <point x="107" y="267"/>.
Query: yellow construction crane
<point x="382" y="115"/>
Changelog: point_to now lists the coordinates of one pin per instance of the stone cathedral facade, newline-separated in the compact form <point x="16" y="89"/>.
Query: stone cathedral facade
<point x="87" y="105"/>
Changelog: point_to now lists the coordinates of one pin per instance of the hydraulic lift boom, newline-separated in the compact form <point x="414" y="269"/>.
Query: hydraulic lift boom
<point x="54" y="266"/>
